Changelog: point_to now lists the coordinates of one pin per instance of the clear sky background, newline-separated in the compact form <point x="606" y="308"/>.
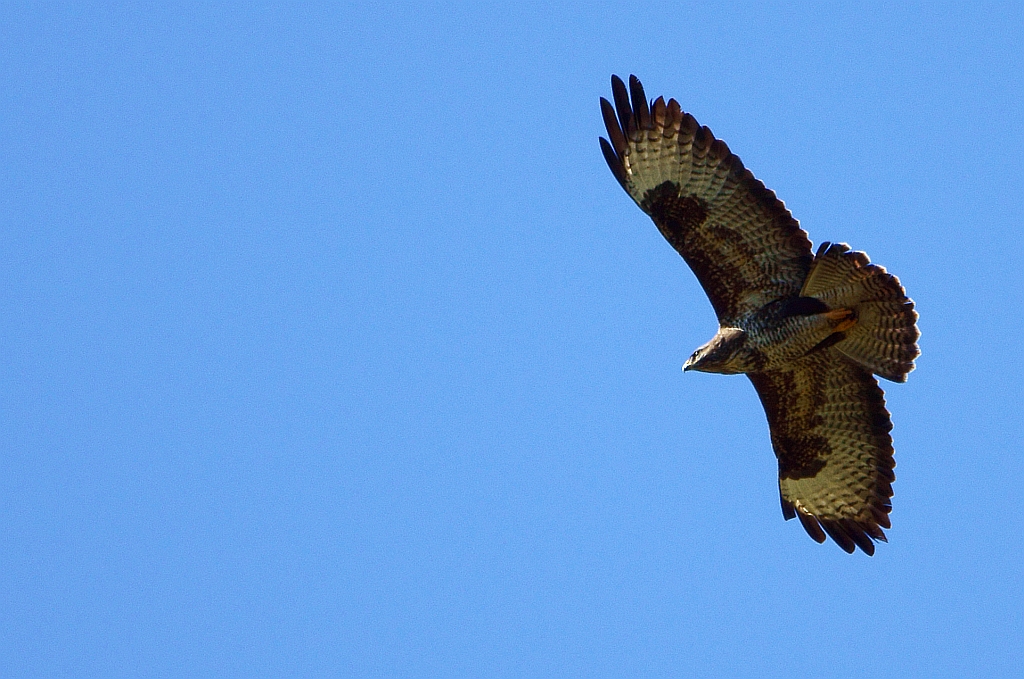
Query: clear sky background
<point x="330" y="346"/>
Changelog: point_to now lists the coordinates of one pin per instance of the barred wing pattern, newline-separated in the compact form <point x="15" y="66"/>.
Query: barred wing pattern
<point x="830" y="432"/>
<point x="738" y="238"/>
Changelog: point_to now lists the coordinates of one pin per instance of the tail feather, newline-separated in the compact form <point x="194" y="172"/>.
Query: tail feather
<point x="884" y="339"/>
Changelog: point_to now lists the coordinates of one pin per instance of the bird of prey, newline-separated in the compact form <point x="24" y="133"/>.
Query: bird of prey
<point x="810" y="329"/>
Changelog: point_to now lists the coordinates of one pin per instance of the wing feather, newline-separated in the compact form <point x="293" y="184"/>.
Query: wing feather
<point x="830" y="432"/>
<point x="740" y="240"/>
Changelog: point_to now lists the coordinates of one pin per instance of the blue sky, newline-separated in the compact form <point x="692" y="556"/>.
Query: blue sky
<point x="330" y="346"/>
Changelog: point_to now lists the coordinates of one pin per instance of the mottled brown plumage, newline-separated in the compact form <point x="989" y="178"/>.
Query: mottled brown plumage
<point x="808" y="330"/>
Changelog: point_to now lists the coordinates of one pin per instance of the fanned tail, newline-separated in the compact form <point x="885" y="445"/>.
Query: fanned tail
<point x="884" y="337"/>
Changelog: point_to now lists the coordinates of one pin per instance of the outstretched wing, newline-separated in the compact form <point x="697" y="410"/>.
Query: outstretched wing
<point x="830" y="431"/>
<point x="740" y="240"/>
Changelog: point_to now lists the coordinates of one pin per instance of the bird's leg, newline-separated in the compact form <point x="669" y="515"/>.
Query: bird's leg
<point x="844" y="319"/>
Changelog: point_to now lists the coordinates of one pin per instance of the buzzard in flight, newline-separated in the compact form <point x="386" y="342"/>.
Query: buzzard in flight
<point x="809" y="329"/>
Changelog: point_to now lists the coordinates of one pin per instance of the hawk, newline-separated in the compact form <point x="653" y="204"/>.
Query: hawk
<point x="810" y="329"/>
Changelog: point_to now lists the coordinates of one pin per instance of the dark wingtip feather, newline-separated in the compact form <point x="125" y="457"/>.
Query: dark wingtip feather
<point x="812" y="527"/>
<point x="621" y="99"/>
<point x="865" y="544"/>
<point x="674" y="114"/>
<point x="640" y="109"/>
<point x="658" y="109"/>
<point x="849" y="534"/>
<point x="859" y="536"/>
<point x="611" y="123"/>
<point x="881" y="516"/>
<point x="836" y="532"/>
<point x="613" y="162"/>
<point x="873" y="531"/>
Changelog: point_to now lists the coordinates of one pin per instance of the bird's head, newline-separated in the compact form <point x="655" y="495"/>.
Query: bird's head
<point x="725" y="353"/>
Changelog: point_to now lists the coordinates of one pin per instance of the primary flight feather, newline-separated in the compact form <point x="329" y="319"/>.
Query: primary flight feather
<point x="809" y="330"/>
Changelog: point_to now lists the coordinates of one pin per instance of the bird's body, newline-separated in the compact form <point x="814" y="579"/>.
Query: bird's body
<point x="770" y="338"/>
<point x="807" y="329"/>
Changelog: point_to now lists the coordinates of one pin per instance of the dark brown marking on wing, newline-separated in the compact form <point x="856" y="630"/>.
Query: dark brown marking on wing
<point x="800" y="453"/>
<point x="676" y="216"/>
<point x="681" y="220"/>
